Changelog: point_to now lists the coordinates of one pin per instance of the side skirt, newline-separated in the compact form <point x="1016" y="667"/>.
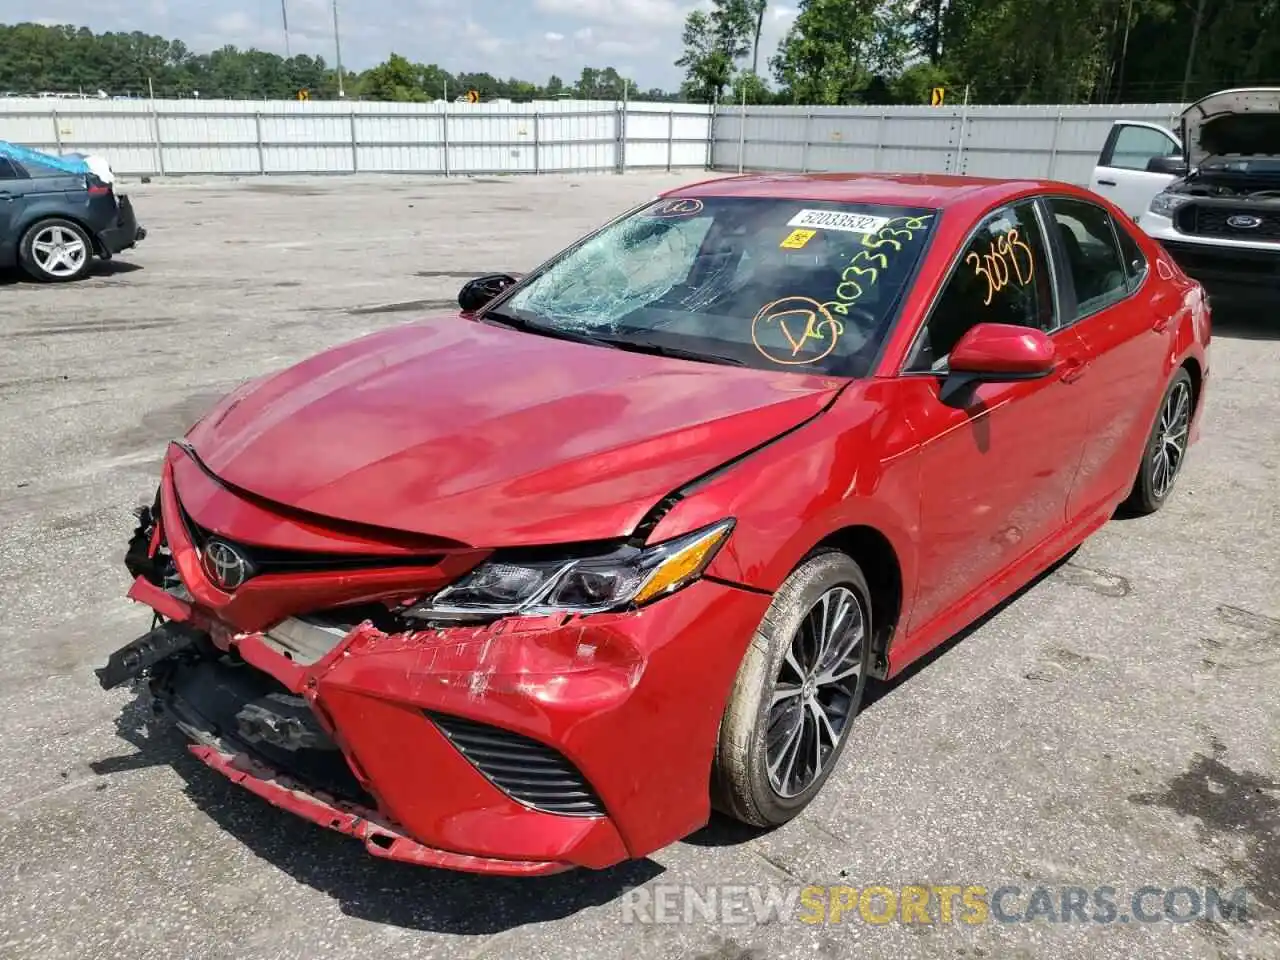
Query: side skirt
<point x="993" y="592"/>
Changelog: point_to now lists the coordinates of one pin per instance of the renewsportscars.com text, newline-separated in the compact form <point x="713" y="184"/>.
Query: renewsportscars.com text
<point x="931" y="904"/>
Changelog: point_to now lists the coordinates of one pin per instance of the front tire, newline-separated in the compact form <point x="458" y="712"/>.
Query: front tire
<point x="796" y="694"/>
<point x="1166" y="448"/>
<point x="55" y="251"/>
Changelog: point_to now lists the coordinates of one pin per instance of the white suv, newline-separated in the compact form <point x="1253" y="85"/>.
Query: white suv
<point x="1211" y="196"/>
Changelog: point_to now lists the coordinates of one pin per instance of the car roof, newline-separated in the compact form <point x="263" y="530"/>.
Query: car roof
<point x="901" y="189"/>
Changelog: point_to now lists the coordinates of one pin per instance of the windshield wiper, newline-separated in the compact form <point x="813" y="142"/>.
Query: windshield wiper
<point x="519" y="323"/>
<point x="663" y="350"/>
<point x="620" y="343"/>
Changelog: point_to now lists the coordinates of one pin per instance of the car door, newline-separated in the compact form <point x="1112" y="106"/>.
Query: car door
<point x="13" y="201"/>
<point x="996" y="472"/>
<point x="1124" y="324"/>
<point x="1121" y="174"/>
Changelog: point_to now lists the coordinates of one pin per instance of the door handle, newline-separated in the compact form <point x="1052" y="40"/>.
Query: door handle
<point x="1162" y="324"/>
<point x="1073" y="370"/>
<point x="1106" y="183"/>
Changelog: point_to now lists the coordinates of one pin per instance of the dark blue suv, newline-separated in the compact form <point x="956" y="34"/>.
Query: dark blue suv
<point x="55" y="218"/>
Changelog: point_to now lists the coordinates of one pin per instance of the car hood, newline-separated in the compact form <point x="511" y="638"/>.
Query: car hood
<point x="491" y="436"/>
<point x="1232" y="122"/>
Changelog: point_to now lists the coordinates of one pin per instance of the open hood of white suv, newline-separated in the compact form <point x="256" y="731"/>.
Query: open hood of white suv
<point x="1244" y="122"/>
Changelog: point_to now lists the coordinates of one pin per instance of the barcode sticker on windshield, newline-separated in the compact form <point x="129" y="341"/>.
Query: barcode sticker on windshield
<point x="835" y="220"/>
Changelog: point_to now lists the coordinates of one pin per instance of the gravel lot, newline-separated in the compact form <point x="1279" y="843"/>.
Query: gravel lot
<point x="1115" y="725"/>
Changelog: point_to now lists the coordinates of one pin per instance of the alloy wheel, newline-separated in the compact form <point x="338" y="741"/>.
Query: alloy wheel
<point x="59" y="251"/>
<point x="1171" y="439"/>
<point x="813" y="696"/>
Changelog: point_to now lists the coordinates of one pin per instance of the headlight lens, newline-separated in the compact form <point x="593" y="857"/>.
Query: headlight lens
<point x="1165" y="204"/>
<point x="629" y="577"/>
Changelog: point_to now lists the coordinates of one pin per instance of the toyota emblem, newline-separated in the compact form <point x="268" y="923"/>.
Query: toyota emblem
<point x="225" y="565"/>
<point x="1244" y="221"/>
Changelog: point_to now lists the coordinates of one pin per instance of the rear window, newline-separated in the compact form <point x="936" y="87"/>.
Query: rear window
<point x="778" y="284"/>
<point x="37" y="170"/>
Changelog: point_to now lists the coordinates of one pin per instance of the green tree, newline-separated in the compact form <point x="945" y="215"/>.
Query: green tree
<point x="36" y="58"/>
<point x="485" y="84"/>
<point x="611" y="84"/>
<point x="756" y="9"/>
<point x="749" y="88"/>
<point x="396" y="79"/>
<point x="835" y="47"/>
<point x="588" y="85"/>
<point x="926" y="28"/>
<point x="915" y="84"/>
<point x="713" y="42"/>
<point x="437" y="82"/>
<point x="1012" y="52"/>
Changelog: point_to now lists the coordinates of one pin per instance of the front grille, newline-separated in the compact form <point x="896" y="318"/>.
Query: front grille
<point x="1203" y="221"/>
<point x="247" y="711"/>
<point x="524" y="769"/>
<point x="271" y="560"/>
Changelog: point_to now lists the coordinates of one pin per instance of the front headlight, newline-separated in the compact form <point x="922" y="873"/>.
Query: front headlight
<point x="626" y="577"/>
<point x="1166" y="204"/>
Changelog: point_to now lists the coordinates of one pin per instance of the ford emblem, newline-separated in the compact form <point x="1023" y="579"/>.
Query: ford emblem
<point x="1244" y="221"/>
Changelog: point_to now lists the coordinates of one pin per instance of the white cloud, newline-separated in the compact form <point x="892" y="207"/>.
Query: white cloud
<point x="622" y="48"/>
<point x="642" y="13"/>
<point x="481" y="39"/>
<point x="552" y="36"/>
<point x="235" y="23"/>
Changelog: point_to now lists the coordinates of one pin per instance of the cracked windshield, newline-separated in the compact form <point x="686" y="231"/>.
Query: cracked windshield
<point x="777" y="284"/>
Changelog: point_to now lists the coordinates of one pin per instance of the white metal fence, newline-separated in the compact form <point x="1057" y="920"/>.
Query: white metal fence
<point x="1054" y="142"/>
<point x="173" y="137"/>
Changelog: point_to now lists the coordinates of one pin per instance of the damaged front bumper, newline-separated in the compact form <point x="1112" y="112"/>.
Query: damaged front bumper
<point x="525" y="746"/>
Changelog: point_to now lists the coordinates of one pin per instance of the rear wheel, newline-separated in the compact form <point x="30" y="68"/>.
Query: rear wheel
<point x="1166" y="448"/>
<point x="799" y="687"/>
<point x="55" y="251"/>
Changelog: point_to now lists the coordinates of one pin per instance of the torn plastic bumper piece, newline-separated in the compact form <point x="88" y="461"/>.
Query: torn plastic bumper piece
<point x="380" y="839"/>
<point x="136" y="657"/>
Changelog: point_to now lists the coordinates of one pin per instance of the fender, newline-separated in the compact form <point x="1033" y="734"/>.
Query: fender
<point x="864" y="448"/>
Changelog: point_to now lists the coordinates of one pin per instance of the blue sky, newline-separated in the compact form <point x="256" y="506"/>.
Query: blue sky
<point x="529" y="39"/>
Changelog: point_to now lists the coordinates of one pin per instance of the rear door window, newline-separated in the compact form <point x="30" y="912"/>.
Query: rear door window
<point x="40" y="171"/>
<point x="1135" y="261"/>
<point x="1092" y="253"/>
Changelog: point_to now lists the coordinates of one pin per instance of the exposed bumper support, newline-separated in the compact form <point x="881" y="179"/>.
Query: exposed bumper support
<point x="133" y="659"/>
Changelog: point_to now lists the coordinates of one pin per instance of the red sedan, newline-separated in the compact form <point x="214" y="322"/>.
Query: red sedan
<point x="540" y="584"/>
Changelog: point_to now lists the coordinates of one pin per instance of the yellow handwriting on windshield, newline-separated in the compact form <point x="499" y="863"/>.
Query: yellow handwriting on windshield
<point x="802" y="321"/>
<point x="864" y="267"/>
<point x="1008" y="258"/>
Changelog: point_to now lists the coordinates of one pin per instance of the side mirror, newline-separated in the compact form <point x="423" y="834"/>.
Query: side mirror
<point x="996" y="353"/>
<point x="476" y="293"/>
<point x="1174" y="166"/>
